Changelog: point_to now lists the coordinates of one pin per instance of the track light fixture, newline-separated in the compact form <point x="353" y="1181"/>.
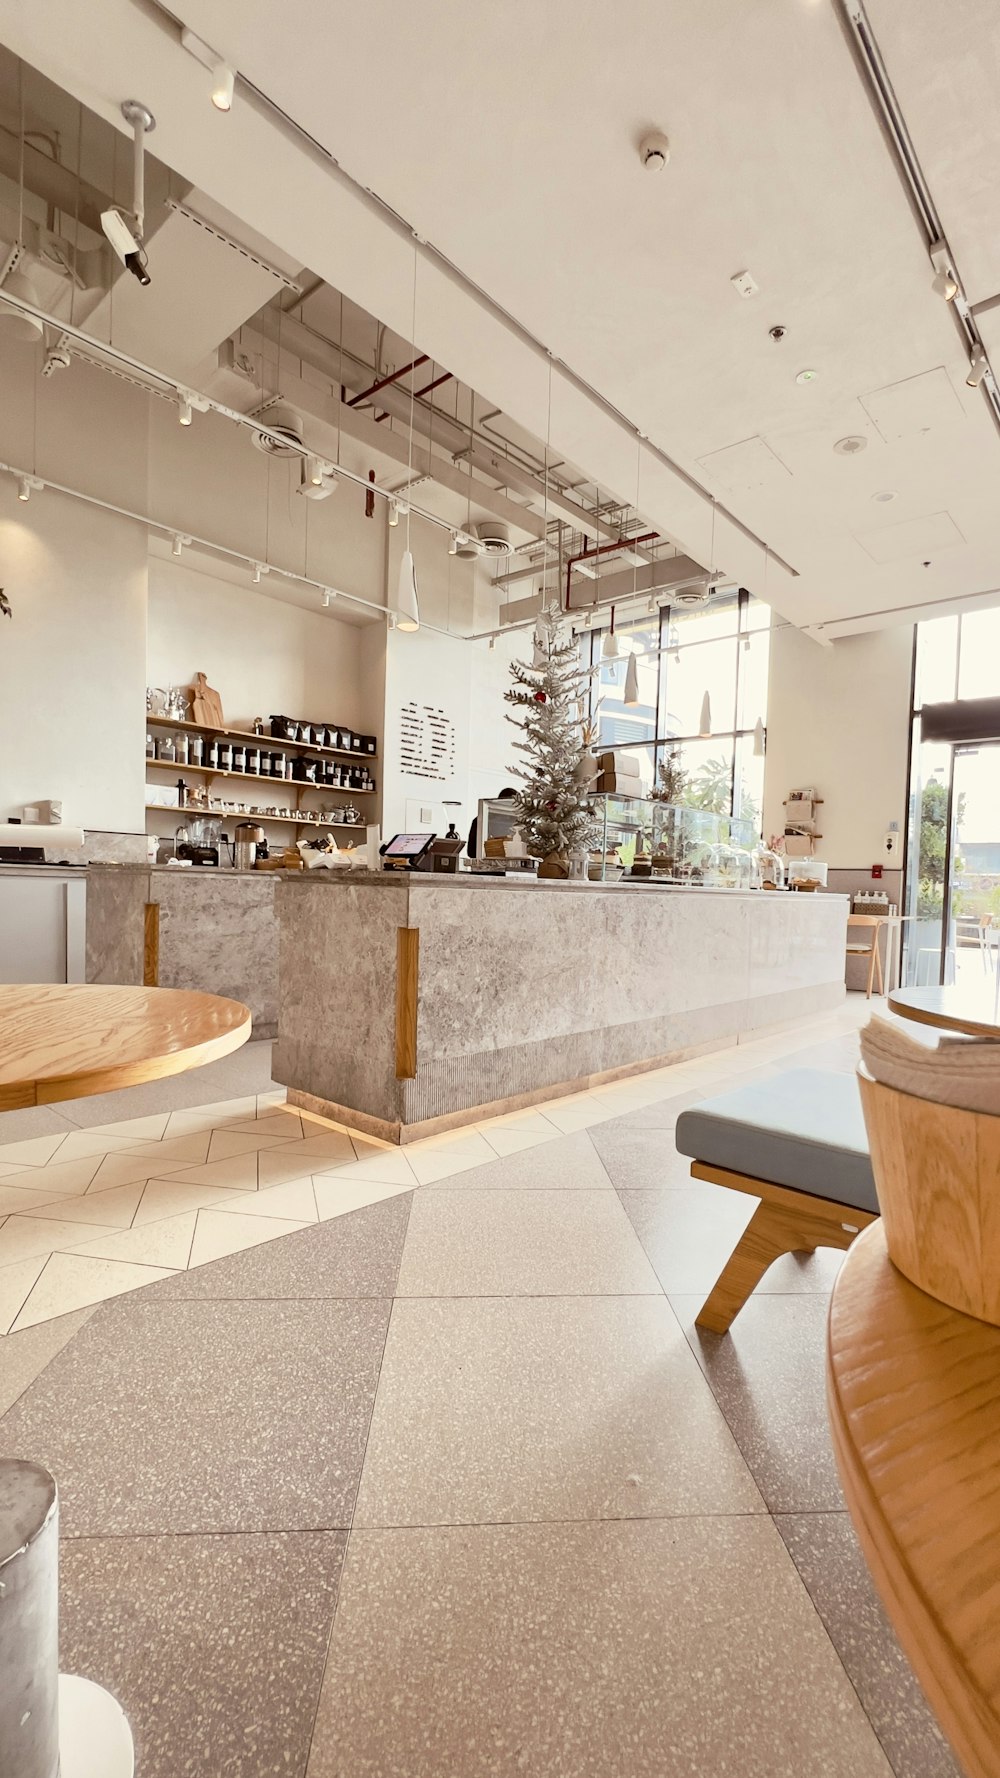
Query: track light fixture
<point x="179" y="544"/>
<point x="259" y="568"/>
<point x="453" y="544"/>
<point x="328" y="598"/>
<point x="978" y="368"/>
<point x="23" y="488"/>
<point x="184" y="411"/>
<point x="944" y="283"/>
<point x="223" y="74"/>
<point x="394" y="512"/>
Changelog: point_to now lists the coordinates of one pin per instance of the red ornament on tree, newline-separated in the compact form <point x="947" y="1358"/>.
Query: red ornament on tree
<point x="539" y="697"/>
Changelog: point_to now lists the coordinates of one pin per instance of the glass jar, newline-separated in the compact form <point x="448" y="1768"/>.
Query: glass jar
<point x="197" y="750"/>
<point x="165" y="748"/>
<point x="150" y="746"/>
<point x="181" y="750"/>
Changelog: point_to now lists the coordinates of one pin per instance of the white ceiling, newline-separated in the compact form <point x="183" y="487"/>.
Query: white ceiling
<point x="506" y="137"/>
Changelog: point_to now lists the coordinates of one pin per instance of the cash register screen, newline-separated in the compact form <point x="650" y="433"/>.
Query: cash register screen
<point x="407" y="845"/>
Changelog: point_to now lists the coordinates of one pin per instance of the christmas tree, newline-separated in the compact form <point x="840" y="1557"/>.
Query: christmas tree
<point x="552" y="811"/>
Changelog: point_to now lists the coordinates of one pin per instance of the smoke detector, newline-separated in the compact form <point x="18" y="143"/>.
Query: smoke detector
<point x="285" y="421"/>
<point x="494" y="537"/>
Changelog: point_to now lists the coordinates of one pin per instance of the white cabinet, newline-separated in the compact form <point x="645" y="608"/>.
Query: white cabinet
<point x="42" y="925"/>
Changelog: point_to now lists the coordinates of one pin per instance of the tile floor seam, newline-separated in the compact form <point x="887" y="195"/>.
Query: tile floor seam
<point x="836" y="1652"/>
<point x="350" y="1530"/>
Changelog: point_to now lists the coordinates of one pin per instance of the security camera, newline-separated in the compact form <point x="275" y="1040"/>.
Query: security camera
<point x="121" y="233"/>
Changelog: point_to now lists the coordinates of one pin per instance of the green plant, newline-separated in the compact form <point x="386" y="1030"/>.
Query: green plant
<point x="933" y="849"/>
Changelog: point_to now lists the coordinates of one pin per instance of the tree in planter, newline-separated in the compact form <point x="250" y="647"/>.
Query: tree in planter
<point x="934" y="846"/>
<point x="552" y="810"/>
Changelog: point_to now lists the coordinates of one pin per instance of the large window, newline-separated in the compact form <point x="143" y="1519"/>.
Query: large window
<point x="952" y="891"/>
<point x="682" y="655"/>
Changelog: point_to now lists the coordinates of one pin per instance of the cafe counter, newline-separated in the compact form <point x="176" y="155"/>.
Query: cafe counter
<point x="410" y="1003"/>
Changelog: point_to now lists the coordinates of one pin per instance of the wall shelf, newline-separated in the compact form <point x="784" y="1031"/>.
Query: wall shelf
<point x="271" y="742"/>
<point x="251" y="815"/>
<point x="178" y="767"/>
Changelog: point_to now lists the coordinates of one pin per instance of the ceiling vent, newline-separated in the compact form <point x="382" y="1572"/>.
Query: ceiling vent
<point x="285" y="421"/>
<point x="696" y="593"/>
<point x="494" y="537"/>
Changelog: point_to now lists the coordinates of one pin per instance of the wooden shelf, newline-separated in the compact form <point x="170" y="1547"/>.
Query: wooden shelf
<point x="179" y="767"/>
<point x="271" y="742"/>
<point x="252" y="815"/>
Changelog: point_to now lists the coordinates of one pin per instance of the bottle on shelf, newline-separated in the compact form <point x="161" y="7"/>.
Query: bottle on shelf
<point x="181" y="754"/>
<point x="196" y="754"/>
<point x="150" y="746"/>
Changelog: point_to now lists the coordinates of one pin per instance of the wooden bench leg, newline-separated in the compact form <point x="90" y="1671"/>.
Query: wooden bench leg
<point x="766" y="1237"/>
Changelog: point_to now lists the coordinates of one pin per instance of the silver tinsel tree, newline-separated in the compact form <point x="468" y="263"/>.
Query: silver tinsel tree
<point x="552" y="810"/>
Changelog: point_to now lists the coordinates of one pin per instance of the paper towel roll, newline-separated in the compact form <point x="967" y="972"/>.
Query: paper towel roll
<point x="36" y="833"/>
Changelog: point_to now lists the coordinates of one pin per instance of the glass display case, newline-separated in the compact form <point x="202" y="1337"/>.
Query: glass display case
<point x="643" y="839"/>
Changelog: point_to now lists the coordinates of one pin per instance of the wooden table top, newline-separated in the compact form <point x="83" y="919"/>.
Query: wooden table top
<point x="913" y="1390"/>
<point x="972" y="1010"/>
<point x="64" y="1042"/>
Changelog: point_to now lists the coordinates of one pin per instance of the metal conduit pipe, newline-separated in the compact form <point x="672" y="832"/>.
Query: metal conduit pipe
<point x="604" y="549"/>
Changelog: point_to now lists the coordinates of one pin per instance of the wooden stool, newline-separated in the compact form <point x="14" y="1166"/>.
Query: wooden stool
<point x="798" y="1144"/>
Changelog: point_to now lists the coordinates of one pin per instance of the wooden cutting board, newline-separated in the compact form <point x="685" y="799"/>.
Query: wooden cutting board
<point x="206" y="704"/>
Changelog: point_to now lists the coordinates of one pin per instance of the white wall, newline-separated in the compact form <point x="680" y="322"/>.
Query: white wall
<point x="433" y="679"/>
<point x="261" y="655"/>
<point x="838" y="718"/>
<point x="72" y="656"/>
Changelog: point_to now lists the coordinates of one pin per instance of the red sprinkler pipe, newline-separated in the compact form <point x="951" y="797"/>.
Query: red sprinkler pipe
<point x="383" y="382"/>
<point x="604" y="549"/>
<point x="424" y="391"/>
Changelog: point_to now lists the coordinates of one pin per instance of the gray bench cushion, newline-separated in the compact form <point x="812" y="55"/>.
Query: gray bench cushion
<point x="803" y="1129"/>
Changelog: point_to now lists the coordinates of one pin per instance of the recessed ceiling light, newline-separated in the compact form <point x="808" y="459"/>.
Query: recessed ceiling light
<point x="885" y="496"/>
<point x="807" y="376"/>
<point x="851" y="445"/>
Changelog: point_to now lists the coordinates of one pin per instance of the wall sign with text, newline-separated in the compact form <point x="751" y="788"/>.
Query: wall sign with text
<point x="426" y="742"/>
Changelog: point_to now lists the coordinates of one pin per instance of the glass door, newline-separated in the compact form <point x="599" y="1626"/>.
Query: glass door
<point x="972" y="881"/>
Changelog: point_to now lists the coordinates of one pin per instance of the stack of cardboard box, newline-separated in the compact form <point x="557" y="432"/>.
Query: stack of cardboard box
<point x="620" y="774"/>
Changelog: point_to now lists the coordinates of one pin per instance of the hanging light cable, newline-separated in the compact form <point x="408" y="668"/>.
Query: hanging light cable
<point x="407" y="606"/>
<point x="631" y="697"/>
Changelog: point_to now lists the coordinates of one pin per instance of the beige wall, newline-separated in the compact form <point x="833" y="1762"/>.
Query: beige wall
<point x="838" y="718"/>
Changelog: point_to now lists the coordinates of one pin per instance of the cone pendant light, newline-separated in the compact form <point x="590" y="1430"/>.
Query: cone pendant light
<point x="609" y="647"/>
<point x="705" y="725"/>
<point x="631" y="682"/>
<point x="407" y="609"/>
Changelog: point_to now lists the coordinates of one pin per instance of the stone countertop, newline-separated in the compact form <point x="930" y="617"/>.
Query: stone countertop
<point x="519" y="883"/>
<point x="43" y="870"/>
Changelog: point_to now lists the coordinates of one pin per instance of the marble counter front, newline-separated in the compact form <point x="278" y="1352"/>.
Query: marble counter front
<point x="526" y="989"/>
<point x="217" y="931"/>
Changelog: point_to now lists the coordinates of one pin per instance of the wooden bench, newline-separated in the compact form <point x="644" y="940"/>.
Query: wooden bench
<point x="796" y="1142"/>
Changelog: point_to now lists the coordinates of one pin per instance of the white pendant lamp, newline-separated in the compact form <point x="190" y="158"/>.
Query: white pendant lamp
<point x="407" y="608"/>
<point x="758" y="739"/>
<point x="705" y="725"/>
<point x="631" y="697"/>
<point x="609" y="647"/>
<point x="17" y="326"/>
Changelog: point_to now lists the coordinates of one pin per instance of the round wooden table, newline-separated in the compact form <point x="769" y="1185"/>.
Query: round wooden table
<point x="913" y="1391"/>
<point x="954" y="1009"/>
<point x="63" y="1042"/>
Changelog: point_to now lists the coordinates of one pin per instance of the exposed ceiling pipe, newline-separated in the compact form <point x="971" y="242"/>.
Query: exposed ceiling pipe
<point x="384" y="382"/>
<point x="604" y="549"/>
<point x="436" y="384"/>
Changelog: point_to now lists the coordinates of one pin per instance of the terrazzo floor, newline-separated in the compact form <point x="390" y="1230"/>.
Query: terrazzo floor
<point x="414" y="1463"/>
